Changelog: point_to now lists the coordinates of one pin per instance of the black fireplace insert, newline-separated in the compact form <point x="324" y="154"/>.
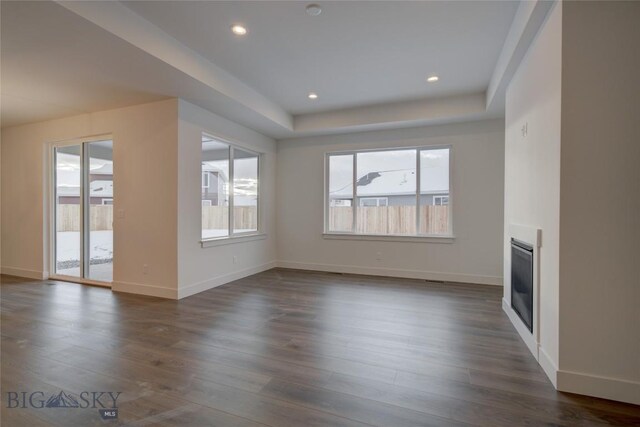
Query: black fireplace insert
<point x="522" y="281"/>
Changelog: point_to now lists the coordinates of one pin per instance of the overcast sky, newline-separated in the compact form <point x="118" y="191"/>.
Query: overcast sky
<point x="434" y="167"/>
<point x="68" y="169"/>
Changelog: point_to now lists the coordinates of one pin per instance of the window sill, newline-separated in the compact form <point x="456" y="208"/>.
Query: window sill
<point x="396" y="238"/>
<point x="220" y="241"/>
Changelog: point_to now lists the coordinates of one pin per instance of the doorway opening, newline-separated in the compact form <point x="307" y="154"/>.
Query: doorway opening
<point x="82" y="211"/>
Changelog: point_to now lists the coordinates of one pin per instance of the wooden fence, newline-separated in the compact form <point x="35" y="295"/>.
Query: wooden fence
<point x="217" y="218"/>
<point x="100" y="217"/>
<point x="390" y="219"/>
<point x="371" y="219"/>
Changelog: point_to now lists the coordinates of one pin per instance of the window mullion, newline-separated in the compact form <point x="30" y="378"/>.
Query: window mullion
<point x="258" y="195"/>
<point x="327" y="192"/>
<point x="417" y="191"/>
<point x="85" y="203"/>
<point x="354" y="227"/>
<point x="231" y="189"/>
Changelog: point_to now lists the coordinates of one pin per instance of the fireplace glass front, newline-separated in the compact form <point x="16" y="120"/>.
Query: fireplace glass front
<point x="522" y="281"/>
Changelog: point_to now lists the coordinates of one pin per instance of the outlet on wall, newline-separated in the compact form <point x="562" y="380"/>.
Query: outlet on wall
<point x="145" y="269"/>
<point x="235" y="259"/>
<point x="378" y="256"/>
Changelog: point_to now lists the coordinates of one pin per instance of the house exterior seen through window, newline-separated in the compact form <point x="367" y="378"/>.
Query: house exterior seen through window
<point x="394" y="192"/>
<point x="230" y="197"/>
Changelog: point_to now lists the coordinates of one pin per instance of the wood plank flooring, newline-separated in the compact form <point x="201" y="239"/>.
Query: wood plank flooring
<point x="282" y="348"/>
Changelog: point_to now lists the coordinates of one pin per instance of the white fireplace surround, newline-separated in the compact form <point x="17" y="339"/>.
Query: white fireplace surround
<point x="532" y="236"/>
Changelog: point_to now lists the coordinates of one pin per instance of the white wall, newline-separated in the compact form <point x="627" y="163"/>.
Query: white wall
<point x="156" y="152"/>
<point x="203" y="268"/>
<point x="600" y="205"/>
<point x="532" y="171"/>
<point x="474" y="256"/>
<point x="145" y="166"/>
<point x="576" y="176"/>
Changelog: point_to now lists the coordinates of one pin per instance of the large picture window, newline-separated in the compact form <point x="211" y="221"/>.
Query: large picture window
<point x="230" y="198"/>
<point x="393" y="192"/>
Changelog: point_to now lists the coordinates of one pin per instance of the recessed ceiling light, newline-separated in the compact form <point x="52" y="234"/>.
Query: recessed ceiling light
<point x="238" y="30"/>
<point x="313" y="95"/>
<point x="432" y="79"/>
<point x="314" y="10"/>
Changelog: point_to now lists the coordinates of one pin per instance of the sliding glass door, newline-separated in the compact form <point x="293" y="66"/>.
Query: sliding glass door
<point x="83" y="212"/>
<point x="68" y="213"/>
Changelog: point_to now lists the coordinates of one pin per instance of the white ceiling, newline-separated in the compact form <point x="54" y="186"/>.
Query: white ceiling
<point x="55" y="64"/>
<point x="61" y="60"/>
<point x="352" y="54"/>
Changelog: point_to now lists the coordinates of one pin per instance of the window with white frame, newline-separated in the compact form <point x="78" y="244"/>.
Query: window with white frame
<point x="393" y="192"/>
<point x="374" y="201"/>
<point x="230" y="200"/>
<point x="440" y="200"/>
<point x="340" y="202"/>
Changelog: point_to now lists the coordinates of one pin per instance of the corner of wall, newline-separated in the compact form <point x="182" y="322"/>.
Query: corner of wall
<point x="202" y="268"/>
<point x="144" y="289"/>
<point x="599" y="317"/>
<point x="599" y="386"/>
<point x="532" y="179"/>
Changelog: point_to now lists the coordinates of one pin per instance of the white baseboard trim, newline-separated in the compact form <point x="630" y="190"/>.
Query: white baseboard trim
<point x="548" y="366"/>
<point x="526" y="335"/>
<point x="602" y="387"/>
<point x="140" y="289"/>
<point x="21" y="272"/>
<point x="394" y="272"/>
<point x="188" y="290"/>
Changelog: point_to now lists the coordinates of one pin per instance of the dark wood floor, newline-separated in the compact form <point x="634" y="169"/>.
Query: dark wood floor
<point x="283" y="348"/>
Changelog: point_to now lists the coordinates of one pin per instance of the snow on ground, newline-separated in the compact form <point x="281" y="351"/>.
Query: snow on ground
<point x="68" y="245"/>
<point x="101" y="272"/>
<point x="101" y="243"/>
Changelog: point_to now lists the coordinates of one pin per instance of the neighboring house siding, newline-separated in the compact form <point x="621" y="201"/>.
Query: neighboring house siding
<point x="73" y="198"/>
<point x="216" y="190"/>
<point x="425" y="199"/>
<point x="211" y="192"/>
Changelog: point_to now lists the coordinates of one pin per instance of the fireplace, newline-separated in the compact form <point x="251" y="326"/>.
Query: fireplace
<point x="522" y="281"/>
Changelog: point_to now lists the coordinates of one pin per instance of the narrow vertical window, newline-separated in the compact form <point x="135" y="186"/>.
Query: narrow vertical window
<point x="434" y="192"/>
<point x="68" y="210"/>
<point x="340" y="211"/>
<point x="245" y="191"/>
<point x="215" y="195"/>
